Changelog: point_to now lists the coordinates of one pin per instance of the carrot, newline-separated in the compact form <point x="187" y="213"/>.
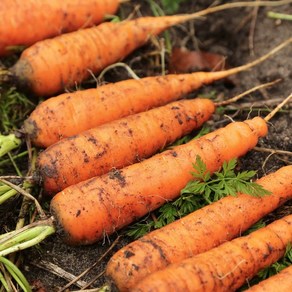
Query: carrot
<point x="86" y="109"/>
<point x="29" y="21"/>
<point x="279" y="282"/>
<point x="226" y="267"/>
<point x="119" y="143"/>
<point x="198" y="232"/>
<point x="122" y="142"/>
<point x="123" y="196"/>
<point x="51" y="65"/>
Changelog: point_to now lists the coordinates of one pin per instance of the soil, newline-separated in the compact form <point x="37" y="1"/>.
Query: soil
<point x="226" y="33"/>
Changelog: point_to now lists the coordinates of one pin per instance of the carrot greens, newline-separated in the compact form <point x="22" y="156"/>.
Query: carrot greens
<point x="200" y="231"/>
<point x="201" y="191"/>
<point x="224" y="182"/>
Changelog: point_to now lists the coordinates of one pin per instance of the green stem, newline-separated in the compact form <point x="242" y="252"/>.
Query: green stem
<point x="207" y="200"/>
<point x="26" y="194"/>
<point x="156" y="9"/>
<point x="7" y="195"/>
<point x="22" y="237"/>
<point x="32" y="242"/>
<point x="16" y="274"/>
<point x="14" y="164"/>
<point x="4" y="189"/>
<point x="7" y="236"/>
<point x="27" y="236"/>
<point x="3" y="162"/>
<point x="8" y="143"/>
<point x="4" y="283"/>
<point x="281" y="16"/>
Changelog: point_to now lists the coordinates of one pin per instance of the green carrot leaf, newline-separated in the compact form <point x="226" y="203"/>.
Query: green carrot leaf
<point x="201" y="191"/>
<point x="201" y="172"/>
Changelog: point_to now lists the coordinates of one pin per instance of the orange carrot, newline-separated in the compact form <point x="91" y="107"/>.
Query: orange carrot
<point x="226" y="267"/>
<point x="51" y="65"/>
<point x="119" y="143"/>
<point x="100" y="206"/>
<point x="280" y="282"/>
<point x="198" y="232"/>
<point x="90" y="108"/>
<point x="29" y="21"/>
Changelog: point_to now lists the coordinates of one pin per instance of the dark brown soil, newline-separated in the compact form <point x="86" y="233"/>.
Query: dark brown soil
<point x="226" y="33"/>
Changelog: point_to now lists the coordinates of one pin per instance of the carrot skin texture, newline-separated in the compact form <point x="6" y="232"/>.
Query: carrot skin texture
<point x="80" y="52"/>
<point x="198" y="232"/>
<point x="86" y="109"/>
<point x="279" y="282"/>
<point x="90" y="108"/>
<point x="83" y="51"/>
<point x="119" y="143"/>
<point x="52" y="65"/>
<point x="226" y="267"/>
<point x="29" y="21"/>
<point x="126" y="195"/>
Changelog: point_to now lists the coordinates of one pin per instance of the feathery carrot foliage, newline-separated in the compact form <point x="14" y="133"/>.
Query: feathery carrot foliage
<point x="199" y="193"/>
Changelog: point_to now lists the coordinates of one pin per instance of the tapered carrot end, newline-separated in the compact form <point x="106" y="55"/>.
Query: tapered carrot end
<point x="30" y="128"/>
<point x="60" y="230"/>
<point x="259" y="125"/>
<point x="21" y="74"/>
<point x="70" y="209"/>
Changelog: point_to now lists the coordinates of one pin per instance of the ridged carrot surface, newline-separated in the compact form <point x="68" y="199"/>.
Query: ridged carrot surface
<point x="279" y="282"/>
<point x="90" y="108"/>
<point x="86" y="109"/>
<point x="119" y="143"/>
<point x="50" y="66"/>
<point x="26" y="22"/>
<point x="83" y="51"/>
<point x="92" y="209"/>
<point x="226" y="267"/>
<point x="198" y="232"/>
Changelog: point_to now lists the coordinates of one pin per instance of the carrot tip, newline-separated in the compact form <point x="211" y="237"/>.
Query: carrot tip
<point x="20" y="74"/>
<point x="30" y="128"/>
<point x="259" y="125"/>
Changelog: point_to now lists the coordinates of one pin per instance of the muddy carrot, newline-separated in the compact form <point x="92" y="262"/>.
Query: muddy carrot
<point x="279" y="282"/>
<point x="48" y="123"/>
<point x="122" y="142"/>
<point x="26" y="22"/>
<point x="123" y="196"/>
<point x="119" y="143"/>
<point x="226" y="267"/>
<point x="198" y="232"/>
<point x="51" y="65"/>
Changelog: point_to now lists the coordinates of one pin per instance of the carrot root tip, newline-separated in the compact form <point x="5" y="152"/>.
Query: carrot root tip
<point x="30" y="128"/>
<point x="20" y="73"/>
